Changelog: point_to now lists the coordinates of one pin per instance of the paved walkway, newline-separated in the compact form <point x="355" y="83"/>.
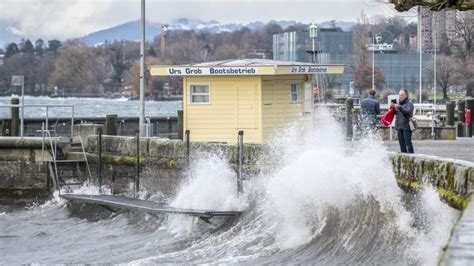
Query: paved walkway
<point x="461" y="149"/>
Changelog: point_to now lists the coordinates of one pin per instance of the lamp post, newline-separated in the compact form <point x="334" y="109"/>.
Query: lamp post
<point x="141" y="120"/>
<point x="313" y="33"/>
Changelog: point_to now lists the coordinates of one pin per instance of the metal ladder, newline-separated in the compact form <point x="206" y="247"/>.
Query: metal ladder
<point x="64" y="173"/>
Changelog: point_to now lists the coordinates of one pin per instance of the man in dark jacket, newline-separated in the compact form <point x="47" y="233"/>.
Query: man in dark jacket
<point x="404" y="111"/>
<point x="370" y="108"/>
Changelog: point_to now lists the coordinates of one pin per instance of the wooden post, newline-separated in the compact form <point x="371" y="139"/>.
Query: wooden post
<point x="450" y="113"/>
<point x="111" y="125"/>
<point x="99" y="164"/>
<point x="461" y="113"/>
<point x="180" y="124"/>
<point x="15" y="126"/>
<point x="349" y="107"/>
<point x="470" y="107"/>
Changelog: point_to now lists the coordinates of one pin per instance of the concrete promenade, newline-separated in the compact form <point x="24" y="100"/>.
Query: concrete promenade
<point x="461" y="148"/>
<point x="460" y="249"/>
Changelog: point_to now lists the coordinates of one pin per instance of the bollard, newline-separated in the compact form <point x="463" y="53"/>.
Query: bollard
<point x="137" y="179"/>
<point x="187" y="145"/>
<point x="460" y="129"/>
<point x="241" y="162"/>
<point x="111" y="125"/>
<point x="461" y="110"/>
<point x="99" y="155"/>
<point x="349" y="107"/>
<point x="470" y="109"/>
<point x="450" y="113"/>
<point x="15" y="124"/>
<point x="180" y="124"/>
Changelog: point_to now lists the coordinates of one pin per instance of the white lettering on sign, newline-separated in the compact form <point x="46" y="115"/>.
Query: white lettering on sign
<point x="212" y="71"/>
<point x="310" y="69"/>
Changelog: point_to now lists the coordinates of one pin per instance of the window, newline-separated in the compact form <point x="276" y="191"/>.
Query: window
<point x="199" y="94"/>
<point x="295" y="92"/>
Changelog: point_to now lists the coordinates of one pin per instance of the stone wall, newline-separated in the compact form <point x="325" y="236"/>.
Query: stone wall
<point x="163" y="165"/>
<point x="163" y="162"/>
<point x="452" y="179"/>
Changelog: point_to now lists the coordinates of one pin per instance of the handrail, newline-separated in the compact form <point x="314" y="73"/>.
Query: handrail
<point x="47" y="111"/>
<point x="85" y="158"/>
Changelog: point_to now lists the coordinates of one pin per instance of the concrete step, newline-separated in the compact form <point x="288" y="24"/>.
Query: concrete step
<point x="79" y="156"/>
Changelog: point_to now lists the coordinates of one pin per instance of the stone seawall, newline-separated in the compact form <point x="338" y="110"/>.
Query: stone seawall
<point x="452" y="179"/>
<point x="163" y="162"/>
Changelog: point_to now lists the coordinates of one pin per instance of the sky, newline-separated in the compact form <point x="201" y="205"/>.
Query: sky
<point x="74" y="18"/>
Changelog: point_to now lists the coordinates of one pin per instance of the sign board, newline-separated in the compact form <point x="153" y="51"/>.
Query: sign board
<point x="309" y="69"/>
<point x="211" y="71"/>
<point x="245" y="70"/>
<point x="17" y="80"/>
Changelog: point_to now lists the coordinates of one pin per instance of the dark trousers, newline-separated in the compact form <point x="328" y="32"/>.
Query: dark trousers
<point x="404" y="138"/>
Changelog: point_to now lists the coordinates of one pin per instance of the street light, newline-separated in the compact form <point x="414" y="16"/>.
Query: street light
<point x="313" y="34"/>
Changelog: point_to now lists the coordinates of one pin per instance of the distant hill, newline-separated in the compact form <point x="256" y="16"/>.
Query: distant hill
<point x="130" y="31"/>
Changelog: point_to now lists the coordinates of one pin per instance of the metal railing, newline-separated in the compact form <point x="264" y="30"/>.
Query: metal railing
<point x="47" y="106"/>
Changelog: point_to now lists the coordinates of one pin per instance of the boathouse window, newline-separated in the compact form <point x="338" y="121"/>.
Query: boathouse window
<point x="295" y="92"/>
<point x="199" y="94"/>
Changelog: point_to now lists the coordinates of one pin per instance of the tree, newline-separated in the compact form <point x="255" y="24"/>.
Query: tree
<point x="464" y="44"/>
<point x="151" y="52"/>
<point x="12" y="49"/>
<point x="445" y="73"/>
<point x="363" y="69"/>
<point x="363" y="78"/>
<point x="53" y="46"/>
<point x="79" y="70"/>
<point x="39" y="49"/>
<point x="28" y="47"/>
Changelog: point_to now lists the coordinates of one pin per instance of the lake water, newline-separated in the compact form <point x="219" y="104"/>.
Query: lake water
<point x="92" y="107"/>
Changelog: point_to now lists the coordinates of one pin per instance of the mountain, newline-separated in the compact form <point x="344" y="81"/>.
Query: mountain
<point x="130" y="31"/>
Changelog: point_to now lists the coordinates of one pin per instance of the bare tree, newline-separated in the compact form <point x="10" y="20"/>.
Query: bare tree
<point x="445" y="73"/>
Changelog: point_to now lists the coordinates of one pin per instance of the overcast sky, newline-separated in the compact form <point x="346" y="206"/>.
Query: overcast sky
<point x="74" y="18"/>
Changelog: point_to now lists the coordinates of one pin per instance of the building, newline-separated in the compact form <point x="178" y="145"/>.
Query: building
<point x="332" y="46"/>
<point x="401" y="70"/>
<point x="257" y="96"/>
<point x="434" y="25"/>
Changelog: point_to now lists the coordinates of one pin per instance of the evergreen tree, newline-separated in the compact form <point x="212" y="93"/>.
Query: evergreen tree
<point x="53" y="45"/>
<point x="39" y="49"/>
<point x="12" y="49"/>
<point x="151" y="52"/>
<point x="28" y="47"/>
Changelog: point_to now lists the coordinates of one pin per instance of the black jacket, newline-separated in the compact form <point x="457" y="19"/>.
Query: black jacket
<point x="404" y="112"/>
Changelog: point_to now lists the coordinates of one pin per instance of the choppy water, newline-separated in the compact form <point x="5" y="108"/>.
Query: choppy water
<point x="92" y="107"/>
<point x="318" y="203"/>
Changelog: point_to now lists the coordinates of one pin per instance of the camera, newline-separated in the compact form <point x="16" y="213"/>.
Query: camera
<point x="394" y="101"/>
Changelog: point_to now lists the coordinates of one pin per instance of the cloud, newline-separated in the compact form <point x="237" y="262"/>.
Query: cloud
<point x="53" y="18"/>
<point x="74" y="18"/>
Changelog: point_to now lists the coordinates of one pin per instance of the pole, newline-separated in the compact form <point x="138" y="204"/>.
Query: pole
<point x="99" y="165"/>
<point x="421" y="52"/>
<point x="434" y="82"/>
<point x="22" y="108"/>
<point x="137" y="179"/>
<point x="141" y="122"/>
<point x="241" y="161"/>
<point x="373" y="61"/>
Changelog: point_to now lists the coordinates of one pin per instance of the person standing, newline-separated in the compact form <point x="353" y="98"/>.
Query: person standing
<point x="403" y="113"/>
<point x="370" y="108"/>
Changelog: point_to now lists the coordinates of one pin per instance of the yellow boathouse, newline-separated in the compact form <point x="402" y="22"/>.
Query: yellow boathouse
<point x="257" y="96"/>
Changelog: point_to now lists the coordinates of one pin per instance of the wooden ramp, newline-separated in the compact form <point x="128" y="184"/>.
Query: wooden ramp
<point x="144" y="205"/>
